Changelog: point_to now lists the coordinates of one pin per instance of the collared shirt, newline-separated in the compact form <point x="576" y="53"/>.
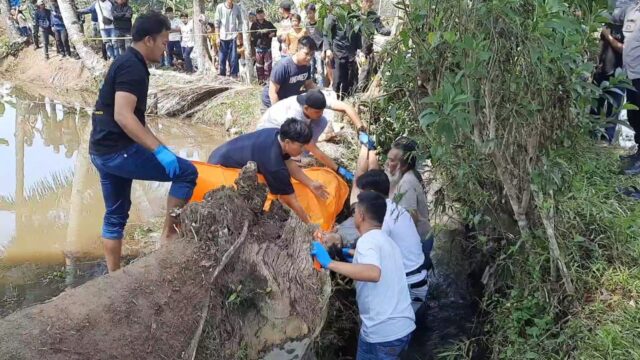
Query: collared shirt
<point x="229" y="21"/>
<point x="631" y="50"/>
<point x="262" y="147"/>
<point x="128" y="73"/>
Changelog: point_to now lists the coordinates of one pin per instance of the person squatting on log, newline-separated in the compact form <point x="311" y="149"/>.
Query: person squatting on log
<point x="272" y="149"/>
<point x="262" y="31"/>
<point x="291" y="74"/>
<point x="381" y="291"/>
<point x="123" y="148"/>
<point x="309" y="107"/>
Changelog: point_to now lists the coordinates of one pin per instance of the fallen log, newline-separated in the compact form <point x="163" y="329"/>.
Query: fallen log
<point x="240" y="281"/>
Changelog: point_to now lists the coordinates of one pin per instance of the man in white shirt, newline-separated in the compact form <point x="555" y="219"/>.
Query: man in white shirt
<point x="174" y="50"/>
<point x="104" y="9"/>
<point x="188" y="40"/>
<point x="309" y="107"/>
<point x="228" y="25"/>
<point x="383" y="300"/>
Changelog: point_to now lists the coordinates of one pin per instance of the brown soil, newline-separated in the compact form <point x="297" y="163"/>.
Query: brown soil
<point x="267" y="293"/>
<point x="65" y="79"/>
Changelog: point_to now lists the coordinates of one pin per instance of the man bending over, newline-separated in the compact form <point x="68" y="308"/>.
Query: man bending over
<point x="271" y="149"/>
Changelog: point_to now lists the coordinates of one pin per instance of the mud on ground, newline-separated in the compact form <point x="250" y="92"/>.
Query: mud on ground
<point x="267" y="293"/>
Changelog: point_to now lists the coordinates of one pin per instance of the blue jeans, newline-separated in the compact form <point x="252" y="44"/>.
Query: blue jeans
<point x="107" y="39"/>
<point x="121" y="45"/>
<point x="388" y="350"/>
<point x="118" y="170"/>
<point x="186" y="52"/>
<point x="173" y="50"/>
<point x="229" y="52"/>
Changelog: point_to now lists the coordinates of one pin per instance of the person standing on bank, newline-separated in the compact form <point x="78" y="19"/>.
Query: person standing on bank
<point x="123" y="148"/>
<point x="262" y="31"/>
<point x="228" y="24"/>
<point x="370" y="68"/>
<point x="104" y="9"/>
<point x="59" y="30"/>
<point x="174" y="47"/>
<point x="188" y="40"/>
<point x="381" y="291"/>
<point x="122" y="15"/>
<point x="343" y="42"/>
<point x="43" y="19"/>
<point x="291" y="74"/>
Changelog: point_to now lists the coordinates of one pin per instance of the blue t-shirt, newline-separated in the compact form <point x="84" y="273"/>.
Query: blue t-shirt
<point x="290" y="77"/>
<point x="263" y="148"/>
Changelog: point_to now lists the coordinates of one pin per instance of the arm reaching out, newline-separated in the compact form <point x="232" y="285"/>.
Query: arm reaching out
<point x="351" y="112"/>
<point x="292" y="202"/>
<point x="315" y="186"/>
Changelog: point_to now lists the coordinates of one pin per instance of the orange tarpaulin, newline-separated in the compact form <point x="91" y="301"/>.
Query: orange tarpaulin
<point x="321" y="212"/>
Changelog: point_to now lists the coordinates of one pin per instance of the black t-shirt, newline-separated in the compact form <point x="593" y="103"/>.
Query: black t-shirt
<point x="263" y="148"/>
<point x="128" y="73"/>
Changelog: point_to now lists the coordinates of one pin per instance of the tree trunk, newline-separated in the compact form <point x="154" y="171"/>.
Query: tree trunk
<point x="200" y="29"/>
<point x="12" y="33"/>
<point x="172" y="304"/>
<point x="94" y="63"/>
<point x="248" y="49"/>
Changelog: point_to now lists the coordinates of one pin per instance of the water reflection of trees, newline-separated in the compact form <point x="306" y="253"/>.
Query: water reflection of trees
<point x="58" y="126"/>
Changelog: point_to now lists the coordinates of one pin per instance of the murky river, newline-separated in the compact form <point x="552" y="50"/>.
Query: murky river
<point x="50" y="199"/>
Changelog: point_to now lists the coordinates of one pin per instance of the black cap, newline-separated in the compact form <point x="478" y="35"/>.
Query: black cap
<point x="314" y="99"/>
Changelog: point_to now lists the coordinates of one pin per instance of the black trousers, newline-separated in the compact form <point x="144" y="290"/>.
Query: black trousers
<point x="345" y="77"/>
<point x="35" y="33"/>
<point x="45" y="33"/>
<point x="633" y="96"/>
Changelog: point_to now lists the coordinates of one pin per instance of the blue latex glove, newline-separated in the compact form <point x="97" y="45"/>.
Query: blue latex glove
<point x="347" y="255"/>
<point x="320" y="253"/>
<point x="346" y="174"/>
<point x="365" y="139"/>
<point x="168" y="160"/>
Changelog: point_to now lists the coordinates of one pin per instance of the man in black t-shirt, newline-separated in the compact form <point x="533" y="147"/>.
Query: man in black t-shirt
<point x="123" y="148"/>
<point x="271" y="149"/>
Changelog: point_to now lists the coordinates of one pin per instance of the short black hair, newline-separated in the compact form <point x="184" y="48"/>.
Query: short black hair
<point x="409" y="149"/>
<point x="297" y="17"/>
<point x="168" y="9"/>
<point x="296" y="130"/>
<point x="151" y="24"/>
<point x="286" y="5"/>
<point x="184" y="15"/>
<point x="374" y="180"/>
<point x="373" y="205"/>
<point x="307" y="42"/>
<point x="259" y="11"/>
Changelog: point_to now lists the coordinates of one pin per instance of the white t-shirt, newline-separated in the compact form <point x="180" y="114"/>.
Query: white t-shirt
<point x="188" y="39"/>
<point x="399" y="226"/>
<point x="410" y="195"/>
<point x="104" y="9"/>
<point x="175" y="24"/>
<point x="384" y="306"/>
<point x="287" y="108"/>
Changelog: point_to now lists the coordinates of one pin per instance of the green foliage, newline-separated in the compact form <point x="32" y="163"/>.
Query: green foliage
<point x="497" y="94"/>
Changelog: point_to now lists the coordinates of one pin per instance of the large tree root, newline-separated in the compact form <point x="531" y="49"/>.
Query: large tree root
<point x="239" y="282"/>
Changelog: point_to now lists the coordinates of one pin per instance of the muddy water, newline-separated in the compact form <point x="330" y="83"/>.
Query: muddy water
<point x="50" y="199"/>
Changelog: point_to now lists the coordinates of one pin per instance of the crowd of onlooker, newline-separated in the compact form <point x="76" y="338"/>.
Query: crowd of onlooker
<point x="337" y="50"/>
